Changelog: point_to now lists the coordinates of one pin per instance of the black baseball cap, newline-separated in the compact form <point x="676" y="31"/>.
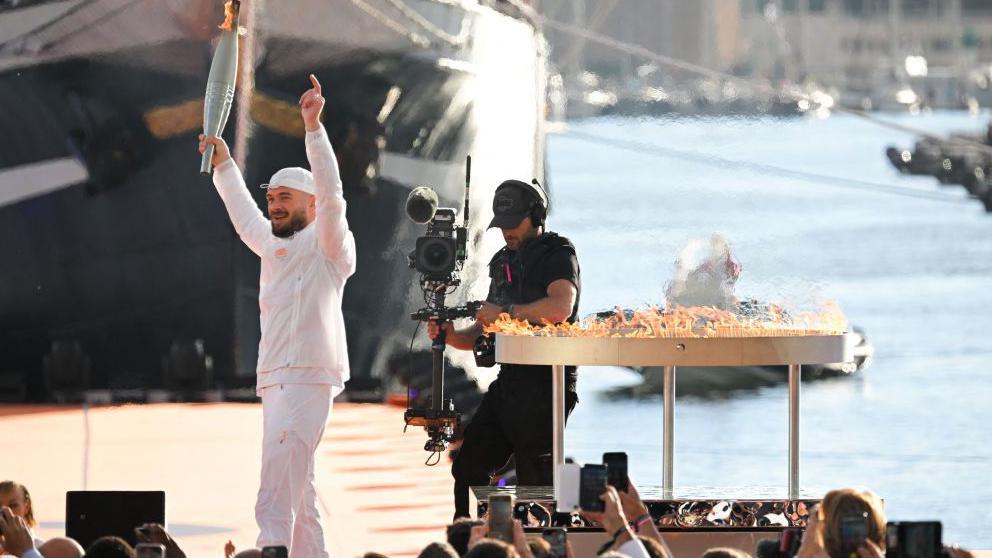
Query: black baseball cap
<point x="512" y="202"/>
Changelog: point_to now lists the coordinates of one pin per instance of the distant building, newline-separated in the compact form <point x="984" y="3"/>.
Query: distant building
<point x="835" y="41"/>
<point x="850" y="41"/>
<point x="704" y="32"/>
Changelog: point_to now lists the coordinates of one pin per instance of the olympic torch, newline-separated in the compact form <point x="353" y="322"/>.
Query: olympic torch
<point x="220" y="82"/>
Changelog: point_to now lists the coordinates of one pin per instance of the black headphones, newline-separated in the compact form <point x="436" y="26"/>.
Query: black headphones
<point x="538" y="209"/>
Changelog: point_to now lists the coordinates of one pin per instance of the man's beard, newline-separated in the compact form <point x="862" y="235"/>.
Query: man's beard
<point x="297" y="221"/>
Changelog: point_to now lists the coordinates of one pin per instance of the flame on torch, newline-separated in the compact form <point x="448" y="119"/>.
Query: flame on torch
<point x="230" y="13"/>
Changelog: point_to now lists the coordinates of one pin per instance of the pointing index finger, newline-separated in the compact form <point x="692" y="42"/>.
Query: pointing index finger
<point x="316" y="84"/>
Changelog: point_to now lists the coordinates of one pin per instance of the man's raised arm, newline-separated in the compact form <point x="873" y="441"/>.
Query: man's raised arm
<point x="248" y="220"/>
<point x="335" y="240"/>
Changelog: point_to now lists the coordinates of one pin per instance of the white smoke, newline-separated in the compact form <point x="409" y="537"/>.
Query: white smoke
<point x="705" y="275"/>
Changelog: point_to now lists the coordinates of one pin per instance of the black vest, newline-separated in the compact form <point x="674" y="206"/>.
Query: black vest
<point x="513" y="281"/>
<point x="512" y="274"/>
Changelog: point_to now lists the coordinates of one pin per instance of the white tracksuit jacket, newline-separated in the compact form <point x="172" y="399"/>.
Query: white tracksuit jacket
<point x="303" y="276"/>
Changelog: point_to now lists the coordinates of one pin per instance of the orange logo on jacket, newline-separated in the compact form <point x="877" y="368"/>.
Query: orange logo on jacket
<point x="281" y="253"/>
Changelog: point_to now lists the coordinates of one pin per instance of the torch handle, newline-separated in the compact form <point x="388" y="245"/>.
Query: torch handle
<point x="206" y="163"/>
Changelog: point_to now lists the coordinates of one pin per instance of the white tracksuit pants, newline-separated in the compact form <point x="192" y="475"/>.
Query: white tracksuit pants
<point x="294" y="416"/>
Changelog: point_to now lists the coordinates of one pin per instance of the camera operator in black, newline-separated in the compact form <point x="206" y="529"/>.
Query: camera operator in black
<point x="535" y="277"/>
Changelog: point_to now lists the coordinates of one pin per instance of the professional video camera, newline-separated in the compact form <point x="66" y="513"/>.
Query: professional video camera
<point x="439" y="253"/>
<point x="438" y="256"/>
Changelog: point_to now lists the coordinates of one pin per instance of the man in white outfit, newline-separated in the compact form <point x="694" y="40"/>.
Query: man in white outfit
<point x="307" y="255"/>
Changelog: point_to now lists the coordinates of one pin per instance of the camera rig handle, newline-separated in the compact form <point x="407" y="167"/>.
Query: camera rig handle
<point x="442" y="314"/>
<point x="447" y="314"/>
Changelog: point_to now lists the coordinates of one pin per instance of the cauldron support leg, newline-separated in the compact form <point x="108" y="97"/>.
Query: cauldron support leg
<point x="669" y="432"/>
<point x="558" y="424"/>
<point x="795" y="376"/>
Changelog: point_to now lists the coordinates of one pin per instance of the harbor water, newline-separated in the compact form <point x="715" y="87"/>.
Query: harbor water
<point x="814" y="211"/>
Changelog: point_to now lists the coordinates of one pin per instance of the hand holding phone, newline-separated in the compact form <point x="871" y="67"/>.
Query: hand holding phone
<point x="612" y="519"/>
<point x="501" y="517"/>
<point x="854" y="529"/>
<point x="592" y="483"/>
<point x="149" y="550"/>
<point x="633" y="507"/>
<point x="557" y="537"/>
<point x="616" y="470"/>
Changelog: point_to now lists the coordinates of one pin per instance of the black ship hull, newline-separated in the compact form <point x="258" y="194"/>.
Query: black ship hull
<point x="129" y="276"/>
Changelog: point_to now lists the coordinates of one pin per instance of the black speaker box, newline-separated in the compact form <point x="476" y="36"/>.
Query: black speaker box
<point x="90" y="515"/>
